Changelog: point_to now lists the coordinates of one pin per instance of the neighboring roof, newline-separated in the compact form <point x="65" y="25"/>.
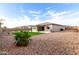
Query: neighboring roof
<point x="31" y="25"/>
<point x="22" y="27"/>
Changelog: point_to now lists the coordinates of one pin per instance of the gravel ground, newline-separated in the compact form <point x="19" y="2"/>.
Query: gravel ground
<point x="57" y="43"/>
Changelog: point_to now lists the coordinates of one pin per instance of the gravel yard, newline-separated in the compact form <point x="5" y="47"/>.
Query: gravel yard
<point x="57" y="43"/>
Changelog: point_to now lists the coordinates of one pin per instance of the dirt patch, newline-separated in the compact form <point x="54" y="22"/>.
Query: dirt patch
<point x="57" y="43"/>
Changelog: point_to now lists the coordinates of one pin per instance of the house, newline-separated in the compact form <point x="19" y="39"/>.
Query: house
<point x="72" y="28"/>
<point x="47" y="27"/>
<point x="20" y="28"/>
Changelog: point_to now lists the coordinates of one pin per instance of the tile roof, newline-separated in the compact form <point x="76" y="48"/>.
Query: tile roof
<point x="49" y="23"/>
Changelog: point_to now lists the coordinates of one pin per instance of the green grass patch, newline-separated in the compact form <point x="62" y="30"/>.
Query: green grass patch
<point x="31" y="33"/>
<point x="34" y="33"/>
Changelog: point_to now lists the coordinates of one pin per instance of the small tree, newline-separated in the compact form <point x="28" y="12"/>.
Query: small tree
<point x="0" y="25"/>
<point x="1" y="22"/>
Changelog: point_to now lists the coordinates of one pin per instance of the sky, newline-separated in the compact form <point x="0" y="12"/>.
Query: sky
<point x="23" y="14"/>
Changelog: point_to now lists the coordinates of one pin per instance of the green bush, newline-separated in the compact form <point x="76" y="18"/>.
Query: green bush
<point x="22" y="38"/>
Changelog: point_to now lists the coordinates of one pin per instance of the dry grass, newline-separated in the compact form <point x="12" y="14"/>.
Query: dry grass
<point x="57" y="43"/>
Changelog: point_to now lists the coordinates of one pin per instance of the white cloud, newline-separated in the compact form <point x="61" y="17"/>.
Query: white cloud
<point x="9" y="22"/>
<point x="34" y="12"/>
<point x="48" y="8"/>
<point x="23" y="21"/>
<point x="65" y="17"/>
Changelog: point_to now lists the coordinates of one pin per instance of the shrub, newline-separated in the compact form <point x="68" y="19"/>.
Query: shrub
<point x="22" y="38"/>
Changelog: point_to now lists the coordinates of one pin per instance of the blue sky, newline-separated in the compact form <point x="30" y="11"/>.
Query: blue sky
<point x="21" y="14"/>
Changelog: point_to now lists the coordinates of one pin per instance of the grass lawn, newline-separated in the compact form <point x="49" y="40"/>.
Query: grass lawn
<point x="32" y="33"/>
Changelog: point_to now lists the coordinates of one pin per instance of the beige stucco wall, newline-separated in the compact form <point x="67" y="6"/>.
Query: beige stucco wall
<point x="34" y="29"/>
<point x="54" y="28"/>
<point x="57" y="27"/>
<point x="51" y="27"/>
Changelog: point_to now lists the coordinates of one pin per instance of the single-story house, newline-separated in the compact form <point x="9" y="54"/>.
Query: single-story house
<point x="47" y="27"/>
<point x="42" y="27"/>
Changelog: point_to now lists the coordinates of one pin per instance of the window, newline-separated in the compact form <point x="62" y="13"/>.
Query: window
<point x="33" y="27"/>
<point x="48" y="27"/>
<point x="61" y="29"/>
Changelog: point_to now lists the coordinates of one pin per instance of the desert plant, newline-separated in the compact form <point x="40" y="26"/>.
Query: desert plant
<point x="22" y="38"/>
